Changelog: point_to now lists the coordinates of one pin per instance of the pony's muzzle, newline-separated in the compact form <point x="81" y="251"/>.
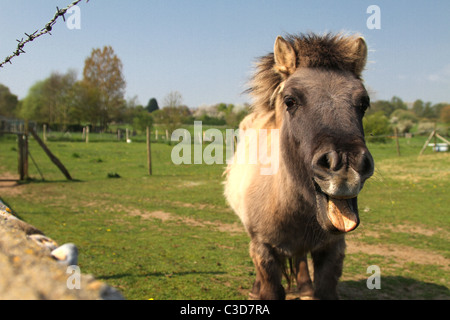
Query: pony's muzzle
<point x="342" y="175"/>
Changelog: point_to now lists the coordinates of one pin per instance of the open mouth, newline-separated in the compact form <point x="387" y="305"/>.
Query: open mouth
<point x="337" y="215"/>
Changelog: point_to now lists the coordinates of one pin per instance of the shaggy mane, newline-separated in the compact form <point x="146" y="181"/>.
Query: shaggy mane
<point x="313" y="51"/>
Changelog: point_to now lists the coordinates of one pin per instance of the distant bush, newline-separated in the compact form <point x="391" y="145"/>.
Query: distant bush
<point x="142" y="121"/>
<point x="445" y="114"/>
<point x="425" y="127"/>
<point x="211" y="121"/>
<point x="376" y="127"/>
<point x="404" y="126"/>
<point x="402" y="115"/>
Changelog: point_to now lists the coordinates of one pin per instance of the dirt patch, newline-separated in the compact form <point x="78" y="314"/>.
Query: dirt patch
<point x="424" y="170"/>
<point x="9" y="185"/>
<point x="199" y="206"/>
<point x="231" y="228"/>
<point x="190" y="184"/>
<point x="234" y="228"/>
<point x="418" y="229"/>
<point x="161" y="215"/>
<point x="401" y="254"/>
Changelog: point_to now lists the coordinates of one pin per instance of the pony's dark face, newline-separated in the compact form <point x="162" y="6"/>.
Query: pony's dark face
<point x="323" y="141"/>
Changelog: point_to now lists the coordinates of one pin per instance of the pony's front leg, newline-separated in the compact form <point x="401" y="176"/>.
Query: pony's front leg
<point x="328" y="264"/>
<point x="268" y="273"/>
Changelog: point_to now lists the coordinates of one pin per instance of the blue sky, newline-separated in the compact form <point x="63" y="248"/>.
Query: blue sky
<point x="206" y="49"/>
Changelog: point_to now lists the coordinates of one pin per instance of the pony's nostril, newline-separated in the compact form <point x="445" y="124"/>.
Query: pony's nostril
<point x="366" y="165"/>
<point x="324" y="162"/>
<point x="327" y="161"/>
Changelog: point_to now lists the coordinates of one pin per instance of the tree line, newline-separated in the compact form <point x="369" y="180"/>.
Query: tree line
<point x="65" y="103"/>
<point x="61" y="99"/>
<point x="386" y="116"/>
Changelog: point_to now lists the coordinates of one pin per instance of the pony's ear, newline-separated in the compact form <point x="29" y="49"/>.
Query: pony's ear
<point x="284" y="56"/>
<point x="360" y="54"/>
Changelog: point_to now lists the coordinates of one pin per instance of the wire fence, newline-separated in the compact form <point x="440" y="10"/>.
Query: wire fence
<point x="15" y="126"/>
<point x="38" y="33"/>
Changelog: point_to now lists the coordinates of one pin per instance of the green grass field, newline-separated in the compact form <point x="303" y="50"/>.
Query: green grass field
<point x="172" y="236"/>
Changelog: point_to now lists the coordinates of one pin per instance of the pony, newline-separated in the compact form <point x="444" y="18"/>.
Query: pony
<point x="309" y="99"/>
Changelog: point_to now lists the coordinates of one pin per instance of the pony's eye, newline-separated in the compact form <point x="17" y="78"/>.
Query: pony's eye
<point x="365" y="104"/>
<point x="289" y="102"/>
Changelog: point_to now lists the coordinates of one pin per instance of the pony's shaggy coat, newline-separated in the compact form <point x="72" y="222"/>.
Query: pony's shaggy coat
<point x="335" y="52"/>
<point x="310" y="90"/>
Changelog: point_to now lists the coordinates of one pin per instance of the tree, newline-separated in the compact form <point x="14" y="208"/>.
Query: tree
<point x="445" y="114"/>
<point x="8" y="102"/>
<point x="387" y="107"/>
<point x="437" y="108"/>
<point x="418" y="107"/>
<point x="381" y="105"/>
<point x="33" y="105"/>
<point x="51" y="100"/>
<point x="142" y="120"/>
<point x="173" y="99"/>
<point x="87" y="104"/>
<point x="225" y="109"/>
<point x="398" y="103"/>
<point x="103" y="71"/>
<point x="152" y="105"/>
<point x="57" y="91"/>
<point x="428" y="111"/>
<point x="169" y="117"/>
<point x="174" y="113"/>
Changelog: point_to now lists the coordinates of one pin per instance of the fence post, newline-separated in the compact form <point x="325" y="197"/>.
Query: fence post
<point x="25" y="136"/>
<point x="19" y="156"/>
<point x="44" y="133"/>
<point x="52" y="157"/>
<point x="149" y="152"/>
<point x="23" y="156"/>
<point x="435" y="138"/>
<point x="396" y="141"/>
<point x="426" y="142"/>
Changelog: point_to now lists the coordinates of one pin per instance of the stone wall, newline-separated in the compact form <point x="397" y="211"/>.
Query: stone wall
<point x="34" y="267"/>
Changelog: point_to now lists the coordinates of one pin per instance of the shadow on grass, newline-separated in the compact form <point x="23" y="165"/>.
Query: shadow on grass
<point x="393" y="288"/>
<point x="44" y="181"/>
<point x="158" y="274"/>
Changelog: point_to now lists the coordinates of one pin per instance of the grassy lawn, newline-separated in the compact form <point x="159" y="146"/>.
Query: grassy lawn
<point x="172" y="236"/>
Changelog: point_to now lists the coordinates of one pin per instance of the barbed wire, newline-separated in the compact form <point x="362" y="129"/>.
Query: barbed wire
<point x="30" y="37"/>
